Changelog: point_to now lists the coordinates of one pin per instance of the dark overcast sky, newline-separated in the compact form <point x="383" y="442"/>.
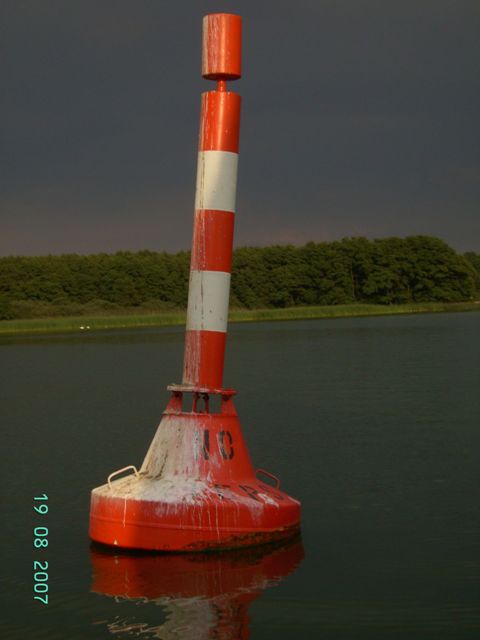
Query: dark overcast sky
<point x="359" y="118"/>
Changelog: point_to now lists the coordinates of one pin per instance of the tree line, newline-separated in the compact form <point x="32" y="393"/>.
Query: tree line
<point x="352" y="270"/>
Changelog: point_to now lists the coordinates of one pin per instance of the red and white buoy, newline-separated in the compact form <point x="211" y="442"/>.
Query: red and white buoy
<point x="197" y="488"/>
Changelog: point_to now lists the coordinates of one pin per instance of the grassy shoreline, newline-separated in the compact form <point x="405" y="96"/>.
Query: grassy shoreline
<point x="172" y="318"/>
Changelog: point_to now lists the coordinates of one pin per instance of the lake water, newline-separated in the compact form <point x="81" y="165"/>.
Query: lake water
<point x="373" y="423"/>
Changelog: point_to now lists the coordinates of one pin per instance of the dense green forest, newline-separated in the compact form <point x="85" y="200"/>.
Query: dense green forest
<point x="353" y="270"/>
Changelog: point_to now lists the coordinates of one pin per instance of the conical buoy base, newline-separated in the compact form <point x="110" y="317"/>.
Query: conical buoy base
<point x="196" y="489"/>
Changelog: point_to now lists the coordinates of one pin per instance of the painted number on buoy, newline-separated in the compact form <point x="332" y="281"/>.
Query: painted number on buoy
<point x="220" y="490"/>
<point x="250" y="491"/>
<point x="225" y="442"/>
<point x="206" y="444"/>
<point x="40" y="542"/>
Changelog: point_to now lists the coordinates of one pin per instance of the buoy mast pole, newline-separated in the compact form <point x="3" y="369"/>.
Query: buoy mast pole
<point x="211" y="260"/>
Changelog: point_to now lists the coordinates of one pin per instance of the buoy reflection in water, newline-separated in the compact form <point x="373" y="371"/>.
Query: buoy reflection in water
<point x="202" y="595"/>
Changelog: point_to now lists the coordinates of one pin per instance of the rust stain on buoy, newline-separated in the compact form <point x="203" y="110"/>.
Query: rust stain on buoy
<point x="197" y="488"/>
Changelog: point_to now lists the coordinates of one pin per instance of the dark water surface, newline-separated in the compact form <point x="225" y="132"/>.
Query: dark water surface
<point x="373" y="423"/>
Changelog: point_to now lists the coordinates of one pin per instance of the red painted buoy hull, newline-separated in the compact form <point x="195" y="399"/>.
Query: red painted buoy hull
<point x="136" y="524"/>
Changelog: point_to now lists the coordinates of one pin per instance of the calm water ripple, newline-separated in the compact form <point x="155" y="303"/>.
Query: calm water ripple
<point x="373" y="423"/>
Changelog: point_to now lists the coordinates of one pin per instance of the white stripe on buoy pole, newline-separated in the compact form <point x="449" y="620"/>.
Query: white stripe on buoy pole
<point x="216" y="180"/>
<point x="208" y="301"/>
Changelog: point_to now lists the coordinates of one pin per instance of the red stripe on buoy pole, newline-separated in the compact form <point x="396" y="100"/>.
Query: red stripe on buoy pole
<point x="212" y="241"/>
<point x="217" y="163"/>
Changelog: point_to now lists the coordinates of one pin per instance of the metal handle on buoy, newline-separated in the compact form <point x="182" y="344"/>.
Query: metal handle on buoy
<point x="115" y="473"/>
<point x="270" y="475"/>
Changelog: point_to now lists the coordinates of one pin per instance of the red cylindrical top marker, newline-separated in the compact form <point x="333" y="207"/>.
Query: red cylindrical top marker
<point x="222" y="47"/>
